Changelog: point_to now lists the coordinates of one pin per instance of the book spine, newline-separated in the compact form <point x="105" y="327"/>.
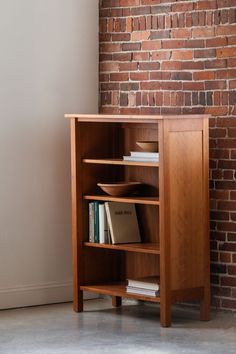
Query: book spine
<point x="110" y="233"/>
<point x="91" y="222"/>
<point x="101" y="208"/>
<point x="96" y="222"/>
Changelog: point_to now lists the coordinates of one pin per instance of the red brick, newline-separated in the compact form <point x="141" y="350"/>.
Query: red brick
<point x="110" y="47"/>
<point x="171" y="65"/>
<point x="149" y="66"/>
<point x="140" y="36"/>
<point x="122" y="56"/>
<point x="109" y="66"/>
<point x="216" y="42"/>
<point x="142" y="10"/>
<point x="119" y="77"/>
<point x="182" y="54"/>
<point x="181" y="33"/>
<point x="150" y="85"/>
<point x="206" y="4"/>
<point x="129" y="24"/>
<point x="128" y="3"/>
<point x="151" y="45"/>
<point x="170" y="85"/>
<point x="161" y="55"/>
<point x="228" y="281"/>
<point x="193" y="86"/>
<point x="225" y="257"/>
<point x="218" y="194"/>
<point x="217" y="63"/>
<point x="182" y="7"/>
<point x="229" y="303"/>
<point x="214" y="85"/>
<point x="171" y="44"/>
<point x="226" y="30"/>
<point x="203" y="75"/>
<point x="131" y="66"/>
<point x="139" y="76"/>
<point x="141" y="56"/>
<point x="226" y="52"/>
<point x="121" y="37"/>
<point x="131" y="46"/>
<point x="204" y="53"/>
<point x="203" y="32"/>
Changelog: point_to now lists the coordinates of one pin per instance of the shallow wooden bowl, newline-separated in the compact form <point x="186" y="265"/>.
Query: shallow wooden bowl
<point x="119" y="189"/>
<point x="149" y="146"/>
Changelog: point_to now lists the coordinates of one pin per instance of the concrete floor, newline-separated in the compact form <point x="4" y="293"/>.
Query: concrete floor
<point x="134" y="328"/>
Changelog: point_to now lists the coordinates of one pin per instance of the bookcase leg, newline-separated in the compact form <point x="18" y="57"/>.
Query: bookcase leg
<point x="165" y="319"/>
<point x="78" y="302"/>
<point x="205" y="306"/>
<point x="116" y="301"/>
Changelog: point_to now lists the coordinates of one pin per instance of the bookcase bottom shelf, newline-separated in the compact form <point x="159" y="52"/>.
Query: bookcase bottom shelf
<point x="117" y="290"/>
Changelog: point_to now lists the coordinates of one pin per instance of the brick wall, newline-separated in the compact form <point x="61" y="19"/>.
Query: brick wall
<point x="163" y="56"/>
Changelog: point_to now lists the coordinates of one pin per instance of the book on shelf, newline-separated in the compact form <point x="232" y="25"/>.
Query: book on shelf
<point x="103" y="226"/>
<point x="91" y="222"/>
<point x="123" y="223"/>
<point x="144" y="154"/>
<point x="148" y="286"/>
<point x="150" y="283"/>
<point x="141" y="291"/>
<point x="98" y="226"/>
<point x="140" y="156"/>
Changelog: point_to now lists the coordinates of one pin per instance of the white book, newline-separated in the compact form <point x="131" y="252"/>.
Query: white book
<point x="140" y="159"/>
<point x="140" y="291"/>
<point x="103" y="227"/>
<point x="144" y="154"/>
<point x="149" y="283"/>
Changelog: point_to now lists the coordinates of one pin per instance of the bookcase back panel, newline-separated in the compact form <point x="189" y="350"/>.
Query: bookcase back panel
<point x="148" y="219"/>
<point x="140" y="265"/>
<point x="93" y="174"/>
<point x="100" y="140"/>
<point x="138" y="132"/>
<point x="149" y="176"/>
<point x="102" y="266"/>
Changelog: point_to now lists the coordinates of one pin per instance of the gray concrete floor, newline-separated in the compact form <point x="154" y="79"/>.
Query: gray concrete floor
<point x="134" y="328"/>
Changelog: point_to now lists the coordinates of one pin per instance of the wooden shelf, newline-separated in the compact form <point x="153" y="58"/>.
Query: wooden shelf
<point x="120" y="162"/>
<point x="152" y="248"/>
<point x="117" y="290"/>
<point x="133" y="199"/>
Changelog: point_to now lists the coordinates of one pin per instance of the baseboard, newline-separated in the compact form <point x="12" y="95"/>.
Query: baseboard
<point x="38" y="294"/>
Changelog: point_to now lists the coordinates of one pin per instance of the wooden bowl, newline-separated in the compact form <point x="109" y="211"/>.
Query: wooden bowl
<point x="119" y="189"/>
<point x="149" y="146"/>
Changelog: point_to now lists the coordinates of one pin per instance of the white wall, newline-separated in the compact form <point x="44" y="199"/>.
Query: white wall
<point x="48" y="66"/>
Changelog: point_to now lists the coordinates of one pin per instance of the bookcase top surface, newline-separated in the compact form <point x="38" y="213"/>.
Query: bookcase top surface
<point x="131" y="118"/>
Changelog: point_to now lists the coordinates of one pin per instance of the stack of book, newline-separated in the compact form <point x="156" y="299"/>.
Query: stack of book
<point x="113" y="222"/>
<point x="148" y="286"/>
<point x="142" y="156"/>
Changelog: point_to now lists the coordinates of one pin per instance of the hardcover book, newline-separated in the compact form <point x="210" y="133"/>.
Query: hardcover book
<point x="122" y="222"/>
<point x="150" y="283"/>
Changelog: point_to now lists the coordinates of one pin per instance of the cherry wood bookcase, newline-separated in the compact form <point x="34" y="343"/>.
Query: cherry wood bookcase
<point x="172" y="207"/>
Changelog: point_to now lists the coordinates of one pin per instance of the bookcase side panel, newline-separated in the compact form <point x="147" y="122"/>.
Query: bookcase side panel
<point x="187" y="202"/>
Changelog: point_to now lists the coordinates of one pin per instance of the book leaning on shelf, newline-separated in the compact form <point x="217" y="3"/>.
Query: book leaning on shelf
<point x="148" y="286"/>
<point x="122" y="222"/>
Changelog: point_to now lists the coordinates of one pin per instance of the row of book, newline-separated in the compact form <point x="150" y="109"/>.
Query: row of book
<point x="148" y="286"/>
<point x="113" y="223"/>
<point x="142" y="156"/>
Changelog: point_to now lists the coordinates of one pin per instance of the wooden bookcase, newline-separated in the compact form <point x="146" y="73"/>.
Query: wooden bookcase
<point x="173" y="210"/>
